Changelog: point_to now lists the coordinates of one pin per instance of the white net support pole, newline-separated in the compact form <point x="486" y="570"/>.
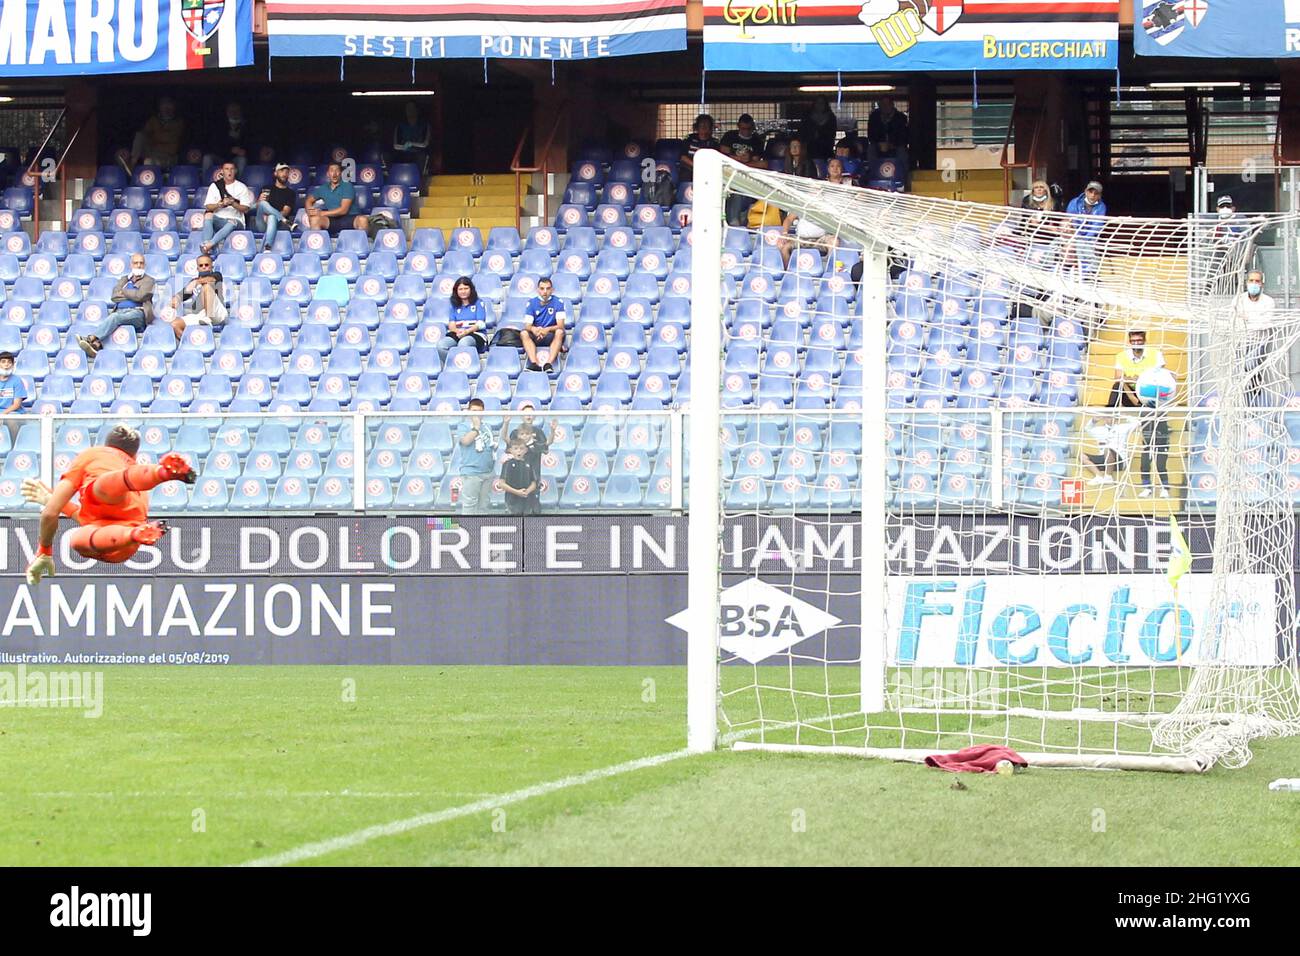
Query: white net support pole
<point x="874" y="295"/>
<point x="704" y="525"/>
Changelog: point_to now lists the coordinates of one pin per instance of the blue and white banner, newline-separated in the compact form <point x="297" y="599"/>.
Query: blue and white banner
<point x="809" y="36"/>
<point x="503" y="29"/>
<point x="1219" y="28"/>
<point x="77" y="37"/>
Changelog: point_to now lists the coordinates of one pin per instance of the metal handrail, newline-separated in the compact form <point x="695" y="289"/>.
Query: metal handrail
<point x="34" y="176"/>
<point x="1030" y="163"/>
<point x="544" y="168"/>
<point x="59" y="167"/>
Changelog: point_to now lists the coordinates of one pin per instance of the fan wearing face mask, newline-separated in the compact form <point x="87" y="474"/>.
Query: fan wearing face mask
<point x="1228" y="223"/>
<point x="13" y="392"/>
<point x="132" y="305"/>
<point x="1255" y="310"/>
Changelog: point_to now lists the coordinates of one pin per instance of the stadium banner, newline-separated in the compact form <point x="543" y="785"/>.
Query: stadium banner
<point x="808" y="36"/>
<point x="1217" y="28"/>
<point x="1107" y="620"/>
<point x="78" y="37"/>
<point x="594" y="589"/>
<point x="502" y="29"/>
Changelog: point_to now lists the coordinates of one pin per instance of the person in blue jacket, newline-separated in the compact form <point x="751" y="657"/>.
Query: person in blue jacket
<point x="1089" y="209"/>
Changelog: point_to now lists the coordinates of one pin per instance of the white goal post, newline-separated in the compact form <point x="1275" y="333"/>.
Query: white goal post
<point x="956" y="502"/>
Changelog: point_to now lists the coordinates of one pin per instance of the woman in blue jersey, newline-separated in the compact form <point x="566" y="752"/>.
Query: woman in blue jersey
<point x="468" y="322"/>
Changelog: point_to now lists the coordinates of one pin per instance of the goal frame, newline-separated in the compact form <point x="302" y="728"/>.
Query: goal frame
<point x="704" y="524"/>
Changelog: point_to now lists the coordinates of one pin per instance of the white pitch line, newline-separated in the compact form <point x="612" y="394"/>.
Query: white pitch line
<point x="309" y="851"/>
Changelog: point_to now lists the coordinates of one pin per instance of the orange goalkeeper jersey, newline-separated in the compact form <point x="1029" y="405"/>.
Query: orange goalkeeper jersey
<point x="91" y="464"/>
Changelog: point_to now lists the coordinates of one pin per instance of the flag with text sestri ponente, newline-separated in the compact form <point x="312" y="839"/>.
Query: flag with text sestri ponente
<point x="834" y="35"/>
<point x="75" y="37"/>
<point x="500" y="29"/>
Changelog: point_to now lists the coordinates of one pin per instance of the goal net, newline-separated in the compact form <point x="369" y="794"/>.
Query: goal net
<point x="986" y="475"/>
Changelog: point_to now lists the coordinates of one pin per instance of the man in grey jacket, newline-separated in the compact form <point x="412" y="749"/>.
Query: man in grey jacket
<point x="133" y="301"/>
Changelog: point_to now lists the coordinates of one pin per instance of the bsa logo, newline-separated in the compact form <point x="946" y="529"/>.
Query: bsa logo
<point x="758" y="620"/>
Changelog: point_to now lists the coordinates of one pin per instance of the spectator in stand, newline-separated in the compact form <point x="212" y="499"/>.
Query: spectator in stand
<point x="1130" y="363"/>
<point x="1112" y="436"/>
<point x="233" y="141"/>
<point x="701" y="138"/>
<point x="546" y="317"/>
<point x="275" y="206"/>
<point x="1039" y="198"/>
<point x="478" y="447"/>
<point x="1255" y="309"/>
<point x="133" y="306"/>
<point x="411" y="139"/>
<point x="798" y="162"/>
<point x="227" y="202"/>
<point x="468" y="322"/>
<point x="1229" y="224"/>
<point x="1089" y="209"/>
<point x="744" y="145"/>
<point x="201" y="301"/>
<point x="835" y="172"/>
<point x="888" y="135"/>
<point x="159" y="142"/>
<point x="1088" y="202"/>
<point x="818" y="129"/>
<point x="798" y="231"/>
<point x="519" y="481"/>
<point x="331" y="202"/>
<point x="13" y="393"/>
<point x="1036" y="224"/>
<point x="534" y="439"/>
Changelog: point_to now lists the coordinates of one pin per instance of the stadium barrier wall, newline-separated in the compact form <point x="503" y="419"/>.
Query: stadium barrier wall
<point x="590" y="589"/>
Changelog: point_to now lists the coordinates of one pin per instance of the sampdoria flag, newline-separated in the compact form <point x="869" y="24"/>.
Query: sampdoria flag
<point x="1180" y="558"/>
<point x="204" y="34"/>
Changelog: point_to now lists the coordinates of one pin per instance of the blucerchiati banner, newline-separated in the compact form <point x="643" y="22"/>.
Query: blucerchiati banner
<point x="502" y="29"/>
<point x="830" y="35"/>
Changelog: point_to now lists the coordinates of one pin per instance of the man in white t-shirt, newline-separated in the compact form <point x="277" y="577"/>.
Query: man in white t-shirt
<point x="227" y="202"/>
<point x="797" y="230"/>
<point x="1256" y="306"/>
<point x="1254" y="315"/>
<point x="1112" y="437"/>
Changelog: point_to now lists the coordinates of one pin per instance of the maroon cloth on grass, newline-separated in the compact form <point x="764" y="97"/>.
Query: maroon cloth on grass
<point x="981" y="759"/>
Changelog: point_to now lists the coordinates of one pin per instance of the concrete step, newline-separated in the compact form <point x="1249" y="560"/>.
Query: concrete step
<point x="450" y="214"/>
<point x="472" y="179"/>
<point x="481" y="223"/>
<point x="506" y="190"/>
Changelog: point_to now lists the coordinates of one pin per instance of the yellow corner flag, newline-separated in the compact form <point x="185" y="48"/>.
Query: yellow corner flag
<point x="1180" y="559"/>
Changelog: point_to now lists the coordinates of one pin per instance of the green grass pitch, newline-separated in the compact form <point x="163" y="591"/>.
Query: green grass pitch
<point x="231" y="765"/>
